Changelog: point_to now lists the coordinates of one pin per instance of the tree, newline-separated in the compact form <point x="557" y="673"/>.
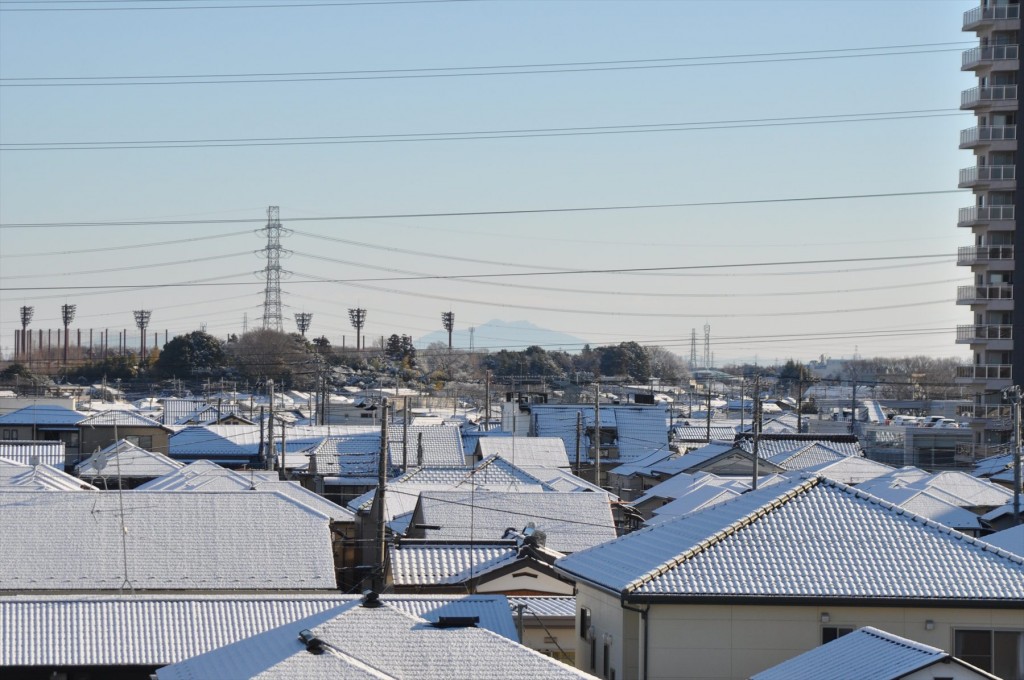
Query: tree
<point x="400" y="348"/>
<point x="283" y="357"/>
<point x="666" y="365"/>
<point x="627" y="358"/>
<point x="195" y="353"/>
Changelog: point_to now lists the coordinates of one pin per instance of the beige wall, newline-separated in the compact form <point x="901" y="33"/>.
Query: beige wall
<point x="95" y="438"/>
<point x="736" y="641"/>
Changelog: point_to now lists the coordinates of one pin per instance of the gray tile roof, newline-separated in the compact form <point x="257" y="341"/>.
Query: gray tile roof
<point x="175" y="541"/>
<point x="120" y="418"/>
<point x="421" y="564"/>
<point x="532" y="451"/>
<point x="381" y="642"/>
<point x="867" y="653"/>
<point x="19" y="477"/>
<point x="804" y="539"/>
<point x="562" y="606"/>
<point x="42" y="414"/>
<point x="850" y="469"/>
<point x="155" y="630"/>
<point x="125" y="459"/>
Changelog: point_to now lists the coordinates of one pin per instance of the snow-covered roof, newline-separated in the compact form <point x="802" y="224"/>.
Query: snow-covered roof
<point x="802" y="539"/>
<point x="119" y="418"/>
<point x="641" y="428"/>
<point x="699" y="433"/>
<point x="643" y="465"/>
<point x="958" y="488"/>
<point x="865" y="653"/>
<point x="927" y="504"/>
<point x="378" y="642"/>
<point x="850" y="469"/>
<point x="772" y="446"/>
<point x="243" y="441"/>
<point x="1011" y="539"/>
<point x="572" y="521"/>
<point x="522" y="451"/>
<point x="986" y="467"/>
<point x="155" y="630"/>
<point x="17" y="476"/>
<point x="30" y="452"/>
<point x="125" y="459"/>
<point x="354" y="453"/>
<point x="175" y="541"/>
<point x="42" y="414"/>
<point x="547" y="606"/>
<point x="420" y="564"/>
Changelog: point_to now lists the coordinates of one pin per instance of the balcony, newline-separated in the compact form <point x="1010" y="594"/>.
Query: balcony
<point x="990" y="54"/>
<point x="998" y="96"/>
<point x="969" y="255"/>
<point x="978" y="214"/>
<point x="1002" y="137"/>
<point x="983" y="333"/>
<point x="978" y="175"/>
<point x="976" y="16"/>
<point x="976" y="295"/>
<point x="984" y="372"/>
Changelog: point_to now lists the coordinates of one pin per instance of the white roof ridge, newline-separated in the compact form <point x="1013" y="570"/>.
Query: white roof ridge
<point x="901" y="641"/>
<point x="718" y="536"/>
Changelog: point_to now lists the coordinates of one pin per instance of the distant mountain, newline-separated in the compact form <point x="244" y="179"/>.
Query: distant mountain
<point x="513" y="335"/>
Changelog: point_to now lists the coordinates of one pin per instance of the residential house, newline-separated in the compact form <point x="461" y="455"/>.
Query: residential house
<point x="108" y="427"/>
<point x="125" y="465"/>
<point x="41" y="422"/>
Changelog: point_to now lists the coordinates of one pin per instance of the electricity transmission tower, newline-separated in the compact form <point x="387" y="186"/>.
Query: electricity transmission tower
<point x="303" y="320"/>
<point x="448" y="319"/>
<point x="272" y="272"/>
<point x="142" y="321"/>
<point x="67" y="315"/>
<point x="358" y="318"/>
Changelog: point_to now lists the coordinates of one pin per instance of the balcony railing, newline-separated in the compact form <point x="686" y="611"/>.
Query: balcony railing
<point x="988" y="173"/>
<point x="988" y="133"/>
<point x="995" y="93"/>
<point x="985" y="411"/>
<point x="997" y="13"/>
<point x="984" y="293"/>
<point x="984" y="332"/>
<point x="988" y="53"/>
<point x="985" y="372"/>
<point x="985" y="213"/>
<point x="971" y="254"/>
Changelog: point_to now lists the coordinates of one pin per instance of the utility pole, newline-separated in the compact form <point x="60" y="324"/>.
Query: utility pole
<point x="1014" y="394"/>
<point x="380" y="547"/>
<point x="743" y="403"/>
<point x="487" y="401"/>
<point x="800" y="405"/>
<point x="853" y="406"/>
<point x="595" y="441"/>
<point x="579" y="436"/>
<point x="142" y="321"/>
<point x="708" y="383"/>
<point x="271" y="455"/>
<point x="756" y="427"/>
<point x="405" y="434"/>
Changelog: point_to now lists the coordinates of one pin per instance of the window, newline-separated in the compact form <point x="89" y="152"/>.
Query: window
<point x="606" y="656"/>
<point x="830" y="633"/>
<point x="142" y="441"/>
<point x="584" y="621"/>
<point x="10" y="435"/>
<point x="1000" y="652"/>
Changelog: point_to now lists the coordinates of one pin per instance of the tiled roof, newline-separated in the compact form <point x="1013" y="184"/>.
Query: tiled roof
<point x="243" y="441"/>
<point x="775" y="445"/>
<point x="380" y="642"/>
<point x="641" y="429"/>
<point x="643" y="465"/>
<point x="175" y="541"/>
<point x="176" y="409"/>
<point x="805" y="539"/>
<point x="547" y="605"/>
<point x="850" y="469"/>
<point x="694" y="500"/>
<point x="155" y="630"/>
<point x="16" y="476"/>
<point x="866" y="653"/>
<point x="681" y="484"/>
<point x="125" y="459"/>
<point x="807" y="456"/>
<point x="42" y="414"/>
<point x="927" y="504"/>
<point x="533" y="451"/>
<point x="958" y="488"/>
<point x="699" y="433"/>
<point x="442" y="444"/>
<point x="120" y="418"/>
<point x="418" y="564"/>
<point x="47" y="453"/>
<point x="572" y="521"/>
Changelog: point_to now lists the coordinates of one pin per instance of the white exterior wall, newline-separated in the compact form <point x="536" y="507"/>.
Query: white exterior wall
<point x="945" y="670"/>
<point x="523" y="580"/>
<point x="704" y="642"/>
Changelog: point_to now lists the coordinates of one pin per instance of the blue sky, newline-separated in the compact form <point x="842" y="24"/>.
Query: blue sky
<point x="713" y="165"/>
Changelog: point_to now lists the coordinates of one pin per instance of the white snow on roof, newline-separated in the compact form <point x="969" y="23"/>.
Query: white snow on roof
<point x="986" y="467"/>
<point x="175" y="541"/>
<point x="572" y="521"/>
<point x="16" y="476"/>
<point x="958" y="488"/>
<point x="874" y="653"/>
<point x="1011" y="539"/>
<point x="563" y="606"/>
<point x="851" y="469"/>
<point x="120" y="418"/>
<point x="29" y="452"/>
<point x="42" y="414"/>
<point x="380" y="642"/>
<point x="699" y="433"/>
<point x="418" y="564"/>
<point x="526" y="451"/>
<point x="641" y="429"/>
<point x="643" y="465"/>
<point x="810" y="538"/>
<point x="927" y="504"/>
<point x="125" y="459"/>
<point x="155" y="630"/>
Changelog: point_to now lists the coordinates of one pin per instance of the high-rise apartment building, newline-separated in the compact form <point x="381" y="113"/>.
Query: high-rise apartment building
<point x="993" y="221"/>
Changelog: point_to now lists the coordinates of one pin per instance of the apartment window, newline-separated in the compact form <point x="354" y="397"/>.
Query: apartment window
<point x="584" y="621"/>
<point x="10" y="435"/>
<point x="830" y="633"/>
<point x="1000" y="652"/>
<point x="142" y="441"/>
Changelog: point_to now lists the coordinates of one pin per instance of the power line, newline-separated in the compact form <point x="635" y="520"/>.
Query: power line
<point x="352" y="3"/>
<point x="468" y="71"/>
<point x="463" y="136"/>
<point x="108" y="248"/>
<point x="107" y="270"/>
<point x="481" y="213"/>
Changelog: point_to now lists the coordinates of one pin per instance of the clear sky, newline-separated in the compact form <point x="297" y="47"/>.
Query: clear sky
<point x="841" y="58"/>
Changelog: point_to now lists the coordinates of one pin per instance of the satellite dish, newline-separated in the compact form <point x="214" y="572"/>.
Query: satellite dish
<point x="99" y="461"/>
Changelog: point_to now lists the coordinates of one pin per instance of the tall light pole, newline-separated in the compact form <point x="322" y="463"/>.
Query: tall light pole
<point x="303" y="320"/>
<point x="448" y="319"/>
<point x="358" y="318"/>
<point x="142" y="321"/>
<point x="67" y="315"/>
<point x="26" y="339"/>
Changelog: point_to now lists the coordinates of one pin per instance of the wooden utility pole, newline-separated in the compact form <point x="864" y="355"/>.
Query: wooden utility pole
<point x="596" y="439"/>
<point x="271" y="455"/>
<point x="579" y="436"/>
<point x="380" y="546"/>
<point x="756" y="427"/>
<point x="405" y="433"/>
<point x="709" y="410"/>
<point x="487" y="401"/>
